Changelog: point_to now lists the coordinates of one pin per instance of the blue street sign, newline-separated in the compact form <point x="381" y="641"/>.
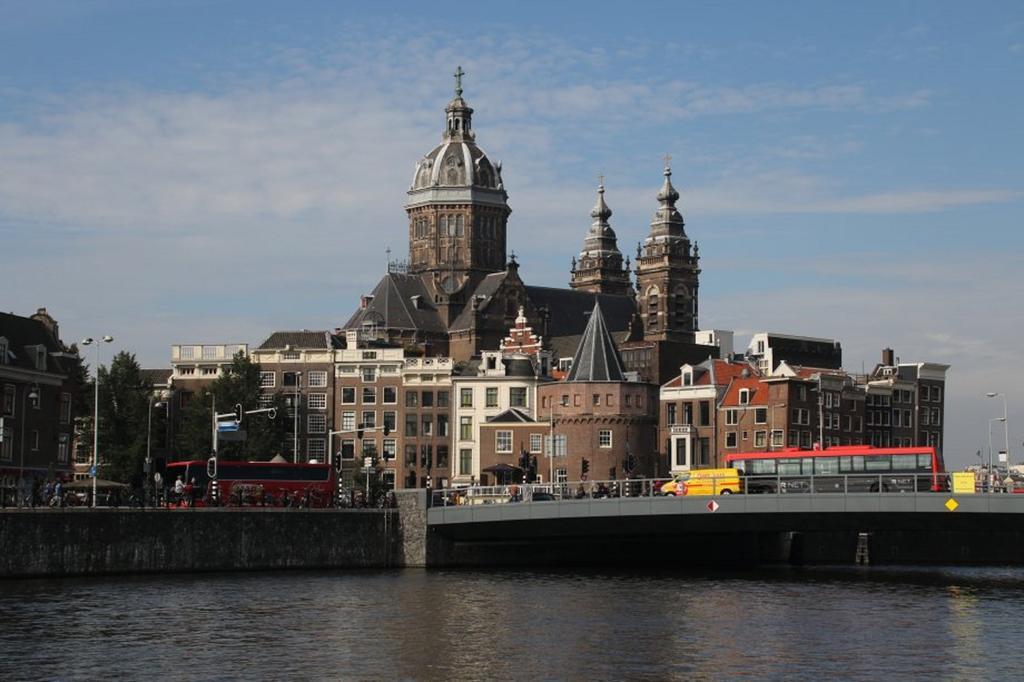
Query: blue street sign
<point x="92" y="471"/>
<point x="227" y="427"/>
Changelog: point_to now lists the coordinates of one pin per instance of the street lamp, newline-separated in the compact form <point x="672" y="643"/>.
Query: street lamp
<point x="31" y="391"/>
<point x="96" y="411"/>
<point x="990" y="422"/>
<point x="1006" y="426"/>
<point x="149" y="436"/>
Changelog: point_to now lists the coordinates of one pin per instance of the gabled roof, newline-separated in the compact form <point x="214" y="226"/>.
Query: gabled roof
<point x="758" y="392"/>
<point x="511" y="415"/>
<point x="393" y="306"/>
<point x="596" y="357"/>
<point x="568" y="309"/>
<point x="484" y="293"/>
<point x="299" y="340"/>
<point x="724" y="372"/>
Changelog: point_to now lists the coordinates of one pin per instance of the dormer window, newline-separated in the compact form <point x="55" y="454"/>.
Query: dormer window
<point x="744" y="396"/>
<point x="688" y="378"/>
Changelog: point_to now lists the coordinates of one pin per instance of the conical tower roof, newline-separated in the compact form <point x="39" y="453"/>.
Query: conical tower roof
<point x="596" y="358"/>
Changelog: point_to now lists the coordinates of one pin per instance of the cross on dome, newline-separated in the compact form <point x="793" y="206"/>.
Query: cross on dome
<point x="459" y="73"/>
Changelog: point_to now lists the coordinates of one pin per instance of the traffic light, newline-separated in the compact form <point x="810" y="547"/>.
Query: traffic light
<point x="631" y="463"/>
<point x="359" y="430"/>
<point x="533" y="469"/>
<point x="337" y="461"/>
<point x="238" y="412"/>
<point x="524" y="461"/>
<point x="586" y="466"/>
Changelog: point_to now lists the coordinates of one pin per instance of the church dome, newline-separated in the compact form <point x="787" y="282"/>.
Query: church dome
<point x="457" y="161"/>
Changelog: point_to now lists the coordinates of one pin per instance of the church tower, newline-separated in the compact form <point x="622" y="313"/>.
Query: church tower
<point x="458" y="213"/>
<point x="599" y="268"/>
<point x="667" y="271"/>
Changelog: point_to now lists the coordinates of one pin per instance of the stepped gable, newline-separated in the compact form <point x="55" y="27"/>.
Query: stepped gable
<point x="596" y="358"/>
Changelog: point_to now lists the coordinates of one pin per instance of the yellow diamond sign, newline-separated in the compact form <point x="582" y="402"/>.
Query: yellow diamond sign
<point x="952" y="504"/>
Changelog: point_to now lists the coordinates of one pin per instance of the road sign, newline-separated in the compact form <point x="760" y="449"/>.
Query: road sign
<point x="367" y="462"/>
<point x="231" y="436"/>
<point x="712" y="506"/>
<point x="952" y="504"/>
<point x="227" y="426"/>
<point x="92" y="470"/>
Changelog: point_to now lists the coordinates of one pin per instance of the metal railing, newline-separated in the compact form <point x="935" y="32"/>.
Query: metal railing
<point x="883" y="483"/>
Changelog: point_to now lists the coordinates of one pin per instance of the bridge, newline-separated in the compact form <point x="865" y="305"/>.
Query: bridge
<point x="505" y="525"/>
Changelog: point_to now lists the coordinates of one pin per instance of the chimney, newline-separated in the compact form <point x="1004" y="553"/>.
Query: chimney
<point x="888" y="357"/>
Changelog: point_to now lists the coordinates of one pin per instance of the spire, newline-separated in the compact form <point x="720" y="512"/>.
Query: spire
<point x="596" y="358"/>
<point x="458" y="114"/>
<point x="601" y="236"/>
<point x="667" y="221"/>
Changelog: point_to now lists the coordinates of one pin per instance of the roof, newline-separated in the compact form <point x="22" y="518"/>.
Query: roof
<point x="25" y="331"/>
<point x="393" y="307"/>
<point x="511" y="415"/>
<point x="484" y="293"/>
<point x="303" y="339"/>
<point x="724" y="372"/>
<point x="565" y="346"/>
<point x="596" y="357"/>
<point x="156" y="377"/>
<point x="758" y="392"/>
<point x="569" y="308"/>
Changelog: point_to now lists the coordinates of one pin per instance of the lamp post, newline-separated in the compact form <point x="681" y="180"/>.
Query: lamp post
<point x="31" y="391"/>
<point x="990" y="422"/>
<point x="147" y="470"/>
<point x="1006" y="427"/>
<point x="96" y="411"/>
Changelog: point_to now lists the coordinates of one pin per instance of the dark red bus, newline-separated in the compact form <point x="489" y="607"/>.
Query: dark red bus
<point x="845" y="468"/>
<point x="255" y="483"/>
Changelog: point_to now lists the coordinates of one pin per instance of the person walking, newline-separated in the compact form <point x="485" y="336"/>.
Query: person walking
<point x="179" y="490"/>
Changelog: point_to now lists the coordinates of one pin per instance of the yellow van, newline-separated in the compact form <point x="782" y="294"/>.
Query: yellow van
<point x="704" y="482"/>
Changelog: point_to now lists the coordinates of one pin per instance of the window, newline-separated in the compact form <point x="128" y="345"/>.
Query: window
<point x="316" y="423"/>
<point x="209" y="371"/>
<point x="291" y="379"/>
<point x="670" y="413"/>
<point x="760" y="439"/>
<point x="390" y="395"/>
<point x="369" y="419"/>
<point x="62" y="449"/>
<point x="317" y="401"/>
<point x="410" y="455"/>
<point x="466" y="397"/>
<point x="730" y="439"/>
<point x="348" y="395"/>
<point x="936" y="419"/>
<point x="369" y="374"/>
<point x="777" y="438"/>
<point x="705" y="413"/>
<point x="186" y="371"/>
<point x="465" y="462"/>
<point x="411" y="424"/>
<point x="595" y="399"/>
<point x="936" y="394"/>
<point x="285" y="355"/>
<point x="267" y="379"/>
<point x="442" y="398"/>
<point x="427" y="400"/>
<point x="604" y="438"/>
<point x="442" y="425"/>
<point x="491" y="397"/>
<point x="7" y="447"/>
<point x="561" y="445"/>
<point x="744" y="396"/>
<point x="536" y="442"/>
<point x="428" y="426"/>
<point x="687" y="378"/>
<point x="760" y="415"/>
<point x="318" y="379"/>
<point x="389" y="449"/>
<point x="802" y="393"/>
<point x="65" y="408"/>
<point x="348" y="448"/>
<point x="9" y="400"/>
<point x="348" y="421"/>
<point x="517" y="396"/>
<point x="465" y="428"/>
<point x="442" y="456"/>
<point x="503" y="442"/>
<point x="732" y="417"/>
<point x="316" y="448"/>
<point x="369" y="395"/>
<point x="390" y="421"/>
<point x="412" y="399"/>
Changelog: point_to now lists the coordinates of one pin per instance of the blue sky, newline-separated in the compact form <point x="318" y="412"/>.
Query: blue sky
<point x="176" y="172"/>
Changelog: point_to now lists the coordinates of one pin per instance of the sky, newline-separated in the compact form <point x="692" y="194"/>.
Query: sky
<point x="209" y="172"/>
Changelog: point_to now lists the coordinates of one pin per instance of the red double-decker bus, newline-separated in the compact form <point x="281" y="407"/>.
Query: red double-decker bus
<point x="846" y="468"/>
<point x="254" y="483"/>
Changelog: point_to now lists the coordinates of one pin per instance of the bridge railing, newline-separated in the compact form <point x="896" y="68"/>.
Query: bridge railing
<point x="881" y="483"/>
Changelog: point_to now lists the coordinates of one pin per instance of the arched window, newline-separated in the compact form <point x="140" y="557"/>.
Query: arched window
<point x="653" y="300"/>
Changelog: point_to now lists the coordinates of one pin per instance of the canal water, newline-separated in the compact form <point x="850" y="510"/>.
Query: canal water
<point x="864" y="624"/>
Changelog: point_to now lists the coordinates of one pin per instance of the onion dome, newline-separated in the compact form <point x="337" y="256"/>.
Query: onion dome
<point x="667" y="221"/>
<point x="600" y="237"/>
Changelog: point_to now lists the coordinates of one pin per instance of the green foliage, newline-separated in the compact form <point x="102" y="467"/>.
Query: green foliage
<point x="239" y="384"/>
<point x="123" y="412"/>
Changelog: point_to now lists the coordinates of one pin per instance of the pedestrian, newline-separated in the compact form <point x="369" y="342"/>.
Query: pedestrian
<point x="58" y="495"/>
<point x="190" y="492"/>
<point x="179" y="490"/>
<point x="158" y="487"/>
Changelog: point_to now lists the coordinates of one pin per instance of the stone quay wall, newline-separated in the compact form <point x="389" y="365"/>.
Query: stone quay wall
<point x="74" y="542"/>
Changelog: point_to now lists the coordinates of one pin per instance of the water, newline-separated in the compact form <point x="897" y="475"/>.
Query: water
<point x="864" y="624"/>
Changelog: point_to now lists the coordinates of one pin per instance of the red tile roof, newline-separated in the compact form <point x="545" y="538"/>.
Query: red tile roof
<point x="725" y="372"/>
<point x="758" y="392"/>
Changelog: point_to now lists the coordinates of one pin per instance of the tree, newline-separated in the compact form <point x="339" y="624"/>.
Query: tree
<point x="239" y="384"/>
<point x="124" y="406"/>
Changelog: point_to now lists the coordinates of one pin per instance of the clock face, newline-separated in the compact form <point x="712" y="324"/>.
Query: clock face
<point x="450" y="284"/>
